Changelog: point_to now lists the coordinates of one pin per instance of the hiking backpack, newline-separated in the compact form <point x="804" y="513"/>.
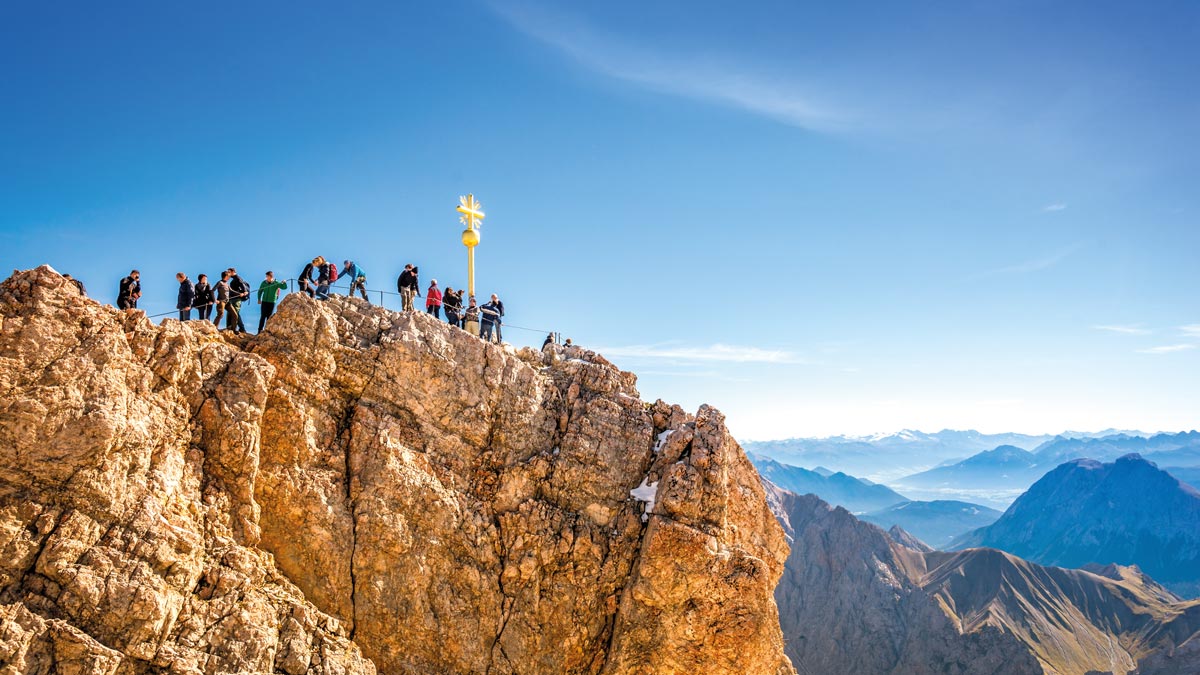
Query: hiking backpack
<point x="332" y="272"/>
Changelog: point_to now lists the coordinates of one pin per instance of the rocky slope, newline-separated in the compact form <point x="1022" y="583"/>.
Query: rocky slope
<point x="855" y="600"/>
<point x="356" y="489"/>
<point x="1127" y="512"/>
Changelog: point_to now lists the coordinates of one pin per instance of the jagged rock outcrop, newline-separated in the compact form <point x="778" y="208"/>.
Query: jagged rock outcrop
<point x="904" y="538"/>
<point x="855" y="600"/>
<point x="356" y="489"/>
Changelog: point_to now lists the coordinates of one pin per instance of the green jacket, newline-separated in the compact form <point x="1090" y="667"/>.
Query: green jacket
<point x="268" y="291"/>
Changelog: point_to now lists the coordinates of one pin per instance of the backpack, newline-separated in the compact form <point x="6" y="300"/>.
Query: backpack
<point x="332" y="272"/>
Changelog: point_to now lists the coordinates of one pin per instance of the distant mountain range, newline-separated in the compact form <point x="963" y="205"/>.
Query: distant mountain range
<point x="852" y="494"/>
<point x="885" y="456"/>
<point x="936" y="523"/>
<point x="853" y="599"/>
<point x="1083" y="512"/>
<point x="1010" y="468"/>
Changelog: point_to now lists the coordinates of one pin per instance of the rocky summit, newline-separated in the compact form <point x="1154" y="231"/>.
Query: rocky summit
<point x="356" y="490"/>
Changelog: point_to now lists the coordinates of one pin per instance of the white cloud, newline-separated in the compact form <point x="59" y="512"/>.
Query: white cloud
<point x="1035" y="265"/>
<point x="692" y="75"/>
<point x="1191" y="330"/>
<point x="711" y="353"/>
<point x="1168" y="349"/>
<point x="1124" y="329"/>
<point x="1057" y="206"/>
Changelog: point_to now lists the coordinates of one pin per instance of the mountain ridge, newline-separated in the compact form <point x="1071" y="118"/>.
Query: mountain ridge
<point x="1085" y="511"/>
<point x="893" y="607"/>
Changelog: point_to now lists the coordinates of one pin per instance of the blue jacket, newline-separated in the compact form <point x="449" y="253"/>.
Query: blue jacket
<point x="353" y="271"/>
<point x="491" y="313"/>
<point x="187" y="294"/>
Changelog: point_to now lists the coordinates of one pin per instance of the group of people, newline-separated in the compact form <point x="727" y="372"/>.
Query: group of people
<point x="481" y="321"/>
<point x="226" y="297"/>
<point x="228" y="294"/>
<point x="327" y="273"/>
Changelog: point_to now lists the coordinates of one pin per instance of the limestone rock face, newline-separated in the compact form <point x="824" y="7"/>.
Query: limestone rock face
<point x="357" y="489"/>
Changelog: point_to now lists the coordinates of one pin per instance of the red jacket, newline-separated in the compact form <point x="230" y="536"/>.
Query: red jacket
<point x="433" y="297"/>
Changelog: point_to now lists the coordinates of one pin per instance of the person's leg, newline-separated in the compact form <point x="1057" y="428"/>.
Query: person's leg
<point x="362" y="288"/>
<point x="486" y="331"/>
<point x="498" y="337"/>
<point x="185" y="314"/>
<point x="235" y="317"/>
<point x="268" y="308"/>
<point x="220" y="313"/>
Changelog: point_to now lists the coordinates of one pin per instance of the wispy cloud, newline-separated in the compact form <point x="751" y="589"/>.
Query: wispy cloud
<point x="1124" y="329"/>
<point x="1056" y="206"/>
<point x="1191" y="330"/>
<point x="711" y="353"/>
<point x="1168" y="349"/>
<point x="1028" y="266"/>
<point x="692" y="75"/>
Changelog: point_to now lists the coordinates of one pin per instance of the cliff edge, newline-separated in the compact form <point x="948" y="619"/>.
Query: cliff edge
<point x="355" y="490"/>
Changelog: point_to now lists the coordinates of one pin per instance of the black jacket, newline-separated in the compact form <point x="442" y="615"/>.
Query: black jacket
<point x="306" y="275"/>
<point x="204" y="295"/>
<point x="408" y="279"/>
<point x="129" y="288"/>
<point x="238" y="288"/>
<point x="187" y="294"/>
<point x="323" y="274"/>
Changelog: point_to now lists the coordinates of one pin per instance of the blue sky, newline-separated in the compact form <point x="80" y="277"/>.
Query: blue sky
<point x="822" y="218"/>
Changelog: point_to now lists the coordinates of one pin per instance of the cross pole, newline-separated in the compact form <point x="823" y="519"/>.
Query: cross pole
<point x="472" y="215"/>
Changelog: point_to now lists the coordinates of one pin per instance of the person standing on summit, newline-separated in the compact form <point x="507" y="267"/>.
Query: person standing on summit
<point x="305" y="280"/>
<point x="324" y="278"/>
<point x="357" y="277"/>
<point x="204" y="298"/>
<point x="490" y="313"/>
<point x="433" y="299"/>
<point x="239" y="290"/>
<point x="187" y="295"/>
<point x="268" y="292"/>
<point x="130" y="291"/>
<point x="409" y="287"/>
<point x="221" y="290"/>
<point x="452" y="302"/>
<point x="499" y="317"/>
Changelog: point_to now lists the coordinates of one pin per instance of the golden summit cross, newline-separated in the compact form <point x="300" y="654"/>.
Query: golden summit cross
<point x="472" y="214"/>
